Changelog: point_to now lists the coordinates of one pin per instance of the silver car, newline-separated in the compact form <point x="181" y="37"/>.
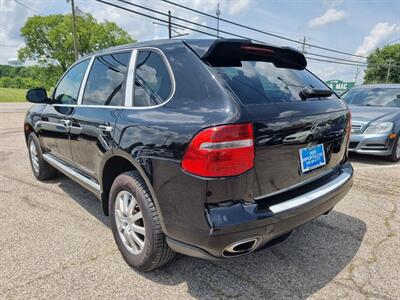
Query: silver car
<point x="375" y="125"/>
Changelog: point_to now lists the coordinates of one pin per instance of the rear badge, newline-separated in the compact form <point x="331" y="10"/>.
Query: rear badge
<point x="312" y="158"/>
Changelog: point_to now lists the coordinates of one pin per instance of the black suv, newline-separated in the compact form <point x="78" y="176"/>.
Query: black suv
<point x="210" y="148"/>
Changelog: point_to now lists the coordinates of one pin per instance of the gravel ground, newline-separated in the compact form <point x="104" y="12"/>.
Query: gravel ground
<point x="55" y="243"/>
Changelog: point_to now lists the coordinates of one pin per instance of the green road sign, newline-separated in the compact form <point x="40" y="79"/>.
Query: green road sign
<point x="339" y="86"/>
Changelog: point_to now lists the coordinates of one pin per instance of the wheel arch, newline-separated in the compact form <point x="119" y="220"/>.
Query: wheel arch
<point x="28" y="129"/>
<point x="117" y="164"/>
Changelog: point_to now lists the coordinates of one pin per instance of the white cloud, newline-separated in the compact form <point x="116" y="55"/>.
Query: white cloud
<point x="14" y="15"/>
<point x="12" y="18"/>
<point x="332" y="3"/>
<point x="142" y="28"/>
<point x="330" y="16"/>
<point x="380" y="33"/>
<point x="238" y="6"/>
<point x="228" y="7"/>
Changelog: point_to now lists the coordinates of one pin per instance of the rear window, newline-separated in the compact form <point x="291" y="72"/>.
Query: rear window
<point x="258" y="82"/>
<point x="389" y="97"/>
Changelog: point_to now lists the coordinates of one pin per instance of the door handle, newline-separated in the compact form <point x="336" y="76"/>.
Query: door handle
<point x="65" y="122"/>
<point x="105" y="128"/>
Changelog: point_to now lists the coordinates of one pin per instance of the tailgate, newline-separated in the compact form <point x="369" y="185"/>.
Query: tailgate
<point x="290" y="108"/>
<point x="278" y="142"/>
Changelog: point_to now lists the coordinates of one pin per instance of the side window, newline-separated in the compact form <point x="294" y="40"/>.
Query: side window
<point x="152" y="80"/>
<point x="68" y="89"/>
<point x="106" y="82"/>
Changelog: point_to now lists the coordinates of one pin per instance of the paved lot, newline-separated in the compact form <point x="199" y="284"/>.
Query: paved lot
<point x="55" y="243"/>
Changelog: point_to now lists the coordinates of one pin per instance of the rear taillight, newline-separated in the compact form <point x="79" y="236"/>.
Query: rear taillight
<point x="220" y="151"/>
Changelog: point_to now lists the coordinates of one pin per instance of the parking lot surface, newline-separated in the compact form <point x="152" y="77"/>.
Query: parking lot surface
<point x="56" y="243"/>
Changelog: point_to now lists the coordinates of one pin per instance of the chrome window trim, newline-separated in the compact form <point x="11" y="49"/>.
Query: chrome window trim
<point x="65" y="73"/>
<point x="171" y="76"/>
<point x="127" y="93"/>
<point x="95" y="106"/>
<point x="130" y="79"/>
<point x="84" y="80"/>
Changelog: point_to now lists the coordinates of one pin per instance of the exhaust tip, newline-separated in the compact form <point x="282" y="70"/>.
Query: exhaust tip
<point x="240" y="247"/>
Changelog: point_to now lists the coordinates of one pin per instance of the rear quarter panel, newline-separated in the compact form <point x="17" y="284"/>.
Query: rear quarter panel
<point x="156" y="138"/>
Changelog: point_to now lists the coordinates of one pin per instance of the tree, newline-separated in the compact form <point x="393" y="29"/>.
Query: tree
<point x="29" y="76"/>
<point x="49" y="39"/>
<point x="384" y="65"/>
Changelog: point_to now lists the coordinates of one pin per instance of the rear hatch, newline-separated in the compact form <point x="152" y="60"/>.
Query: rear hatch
<point x="290" y="108"/>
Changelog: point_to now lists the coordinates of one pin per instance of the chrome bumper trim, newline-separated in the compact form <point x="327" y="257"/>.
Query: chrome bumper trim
<point x="311" y="196"/>
<point x="292" y="187"/>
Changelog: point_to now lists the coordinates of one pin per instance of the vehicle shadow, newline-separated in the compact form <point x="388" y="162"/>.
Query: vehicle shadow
<point x="297" y="268"/>
<point x="83" y="197"/>
<point x="364" y="159"/>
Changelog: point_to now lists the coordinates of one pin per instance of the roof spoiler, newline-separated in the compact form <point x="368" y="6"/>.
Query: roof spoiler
<point x="231" y="52"/>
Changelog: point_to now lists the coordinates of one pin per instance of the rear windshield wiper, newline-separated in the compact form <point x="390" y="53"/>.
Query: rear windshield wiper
<point x="314" y="93"/>
<point x="287" y="83"/>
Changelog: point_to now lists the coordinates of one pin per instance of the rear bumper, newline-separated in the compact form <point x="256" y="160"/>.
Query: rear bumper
<point x="243" y="221"/>
<point x="376" y="144"/>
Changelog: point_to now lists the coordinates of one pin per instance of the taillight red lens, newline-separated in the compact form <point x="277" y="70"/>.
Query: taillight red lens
<point x="219" y="151"/>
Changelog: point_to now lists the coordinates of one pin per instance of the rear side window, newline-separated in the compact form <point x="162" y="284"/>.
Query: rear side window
<point x="259" y="82"/>
<point x="68" y="89"/>
<point x="106" y="81"/>
<point x="152" y="80"/>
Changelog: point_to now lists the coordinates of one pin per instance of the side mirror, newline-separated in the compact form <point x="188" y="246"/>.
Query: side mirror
<point x="37" y="95"/>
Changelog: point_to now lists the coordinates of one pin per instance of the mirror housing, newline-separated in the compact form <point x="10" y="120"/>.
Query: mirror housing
<point x="37" y="95"/>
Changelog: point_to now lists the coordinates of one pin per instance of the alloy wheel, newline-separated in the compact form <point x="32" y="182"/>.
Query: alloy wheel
<point x="34" y="156"/>
<point x="129" y="221"/>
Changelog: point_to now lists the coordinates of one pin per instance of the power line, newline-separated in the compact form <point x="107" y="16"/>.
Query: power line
<point x="336" y="61"/>
<point x="11" y="46"/>
<point x="337" y="58"/>
<point x="172" y="29"/>
<point x="27" y="7"/>
<point x="155" y="18"/>
<point x="393" y="41"/>
<point x="225" y="32"/>
<point x="187" y="21"/>
<point x="262" y="31"/>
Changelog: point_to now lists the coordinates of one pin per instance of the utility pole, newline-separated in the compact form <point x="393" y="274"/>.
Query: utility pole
<point x="355" y="78"/>
<point x="178" y="34"/>
<point x="303" y="46"/>
<point x="76" y="51"/>
<point x="218" y="13"/>
<point x="169" y="25"/>
<point x="388" y="70"/>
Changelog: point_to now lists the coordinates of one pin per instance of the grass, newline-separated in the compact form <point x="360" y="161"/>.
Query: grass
<point x="12" y="95"/>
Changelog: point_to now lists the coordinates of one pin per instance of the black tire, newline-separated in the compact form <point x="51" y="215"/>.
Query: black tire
<point x="44" y="171"/>
<point x="155" y="252"/>
<point x="395" y="156"/>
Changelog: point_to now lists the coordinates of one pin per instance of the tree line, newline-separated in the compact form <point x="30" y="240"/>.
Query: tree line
<point x="29" y="77"/>
<point x="49" y="43"/>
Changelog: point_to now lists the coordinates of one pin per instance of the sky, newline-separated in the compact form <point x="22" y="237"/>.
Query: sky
<point x="353" y="26"/>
